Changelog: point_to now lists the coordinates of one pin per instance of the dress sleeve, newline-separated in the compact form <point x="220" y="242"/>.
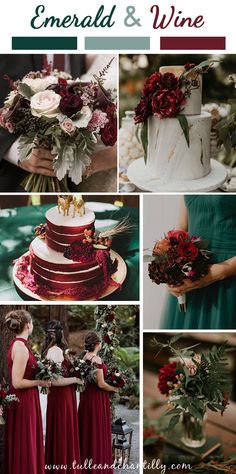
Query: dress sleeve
<point x="6" y="141"/>
<point x="99" y="366"/>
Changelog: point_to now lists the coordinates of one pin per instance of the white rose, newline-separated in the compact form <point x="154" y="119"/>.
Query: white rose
<point x="39" y="84"/>
<point x="45" y="104"/>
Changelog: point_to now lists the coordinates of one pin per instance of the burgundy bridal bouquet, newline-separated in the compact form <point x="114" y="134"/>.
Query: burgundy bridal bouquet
<point x="5" y="399"/>
<point x="46" y="369"/>
<point x="47" y="109"/>
<point x="176" y="257"/>
<point x="84" y="370"/>
<point x="115" y="378"/>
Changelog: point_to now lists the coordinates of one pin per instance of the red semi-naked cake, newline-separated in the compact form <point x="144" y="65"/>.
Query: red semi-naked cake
<point x="67" y="258"/>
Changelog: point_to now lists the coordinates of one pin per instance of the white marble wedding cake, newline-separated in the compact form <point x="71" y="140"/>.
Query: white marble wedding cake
<point x="169" y="158"/>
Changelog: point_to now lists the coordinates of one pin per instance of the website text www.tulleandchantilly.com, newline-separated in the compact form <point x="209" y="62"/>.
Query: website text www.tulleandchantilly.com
<point x="147" y="465"/>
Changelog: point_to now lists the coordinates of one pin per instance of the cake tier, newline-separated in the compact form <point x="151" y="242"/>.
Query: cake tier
<point x="194" y="102"/>
<point x="56" y="272"/>
<point x="169" y="157"/>
<point x="62" y="231"/>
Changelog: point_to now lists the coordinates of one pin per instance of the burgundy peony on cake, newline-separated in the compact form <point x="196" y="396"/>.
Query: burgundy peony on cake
<point x="68" y="259"/>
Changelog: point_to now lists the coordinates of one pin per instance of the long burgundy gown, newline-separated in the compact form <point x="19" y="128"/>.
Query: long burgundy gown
<point x="23" y="452"/>
<point x="95" y="427"/>
<point x="62" y="433"/>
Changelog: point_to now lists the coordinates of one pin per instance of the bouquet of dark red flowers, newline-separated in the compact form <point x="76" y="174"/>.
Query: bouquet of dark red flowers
<point x="176" y="257"/>
<point x="47" y="369"/>
<point x="85" y="370"/>
<point x="165" y="96"/>
<point x="115" y="378"/>
<point x="73" y="119"/>
<point x="5" y="399"/>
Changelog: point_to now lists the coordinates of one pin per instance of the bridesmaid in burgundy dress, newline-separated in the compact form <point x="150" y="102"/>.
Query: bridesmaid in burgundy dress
<point x="23" y="430"/>
<point x="95" y="414"/>
<point x="62" y="433"/>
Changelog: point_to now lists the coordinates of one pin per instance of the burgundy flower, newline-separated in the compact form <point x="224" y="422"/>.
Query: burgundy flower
<point x="71" y="104"/>
<point x="178" y="235"/>
<point x="187" y="251"/>
<point x="110" y="317"/>
<point x="107" y="339"/>
<point x="80" y="252"/>
<point x="109" y="131"/>
<point x="167" y="375"/>
<point x="143" y="110"/>
<point x="167" y="103"/>
<point x="152" y="83"/>
<point x="60" y="89"/>
<point x="169" y="81"/>
<point x="189" y="66"/>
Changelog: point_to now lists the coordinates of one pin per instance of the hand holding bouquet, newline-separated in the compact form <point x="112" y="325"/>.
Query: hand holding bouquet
<point x="85" y="370"/>
<point x="47" y="370"/>
<point x="176" y="257"/>
<point x="5" y="399"/>
<point x="48" y="110"/>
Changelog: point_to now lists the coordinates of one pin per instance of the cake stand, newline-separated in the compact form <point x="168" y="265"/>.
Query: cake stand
<point x="118" y="277"/>
<point x="139" y="174"/>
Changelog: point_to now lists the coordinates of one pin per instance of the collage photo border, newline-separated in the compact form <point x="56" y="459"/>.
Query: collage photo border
<point x="140" y="302"/>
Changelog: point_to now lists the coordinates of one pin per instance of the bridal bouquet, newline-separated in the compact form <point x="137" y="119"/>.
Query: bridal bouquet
<point x="47" y="109"/>
<point x="46" y="369"/>
<point x="176" y="257"/>
<point x="194" y="382"/>
<point x="5" y="399"/>
<point x="115" y="378"/>
<point x="85" y="370"/>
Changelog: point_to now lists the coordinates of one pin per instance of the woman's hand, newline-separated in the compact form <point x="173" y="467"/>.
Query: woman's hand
<point x="216" y="272"/>
<point x="116" y="390"/>
<point x="44" y="383"/>
<point x="40" y="161"/>
<point x="79" y="381"/>
<point x="103" y="160"/>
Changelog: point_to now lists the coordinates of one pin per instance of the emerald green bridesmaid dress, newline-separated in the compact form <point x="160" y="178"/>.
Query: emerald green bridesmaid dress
<point x="213" y="217"/>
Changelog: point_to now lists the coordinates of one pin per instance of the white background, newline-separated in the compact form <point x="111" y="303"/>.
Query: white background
<point x="219" y="20"/>
<point x="161" y="213"/>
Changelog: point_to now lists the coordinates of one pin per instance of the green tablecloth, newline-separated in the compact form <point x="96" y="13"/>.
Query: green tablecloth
<point x="17" y="231"/>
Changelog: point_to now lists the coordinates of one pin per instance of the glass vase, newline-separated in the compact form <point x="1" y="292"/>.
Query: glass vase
<point x="193" y="431"/>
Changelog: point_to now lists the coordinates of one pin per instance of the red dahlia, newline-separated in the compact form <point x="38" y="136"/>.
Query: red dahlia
<point x="169" y="81"/>
<point x="187" y="251"/>
<point x="152" y="83"/>
<point x="178" y="235"/>
<point x="167" y="103"/>
<point x="167" y="374"/>
<point x="143" y="109"/>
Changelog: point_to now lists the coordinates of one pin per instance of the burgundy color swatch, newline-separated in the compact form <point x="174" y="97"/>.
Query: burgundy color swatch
<point x="193" y="42"/>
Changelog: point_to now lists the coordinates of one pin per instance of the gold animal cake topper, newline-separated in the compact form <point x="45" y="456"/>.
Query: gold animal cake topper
<point x="75" y="200"/>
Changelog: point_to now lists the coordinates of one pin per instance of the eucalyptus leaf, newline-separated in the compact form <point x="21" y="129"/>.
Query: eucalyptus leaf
<point x="144" y="139"/>
<point x="173" y="422"/>
<point x="148" y="258"/>
<point x="25" y="90"/>
<point x="175" y="338"/>
<point x="184" y="125"/>
<point x="25" y="147"/>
